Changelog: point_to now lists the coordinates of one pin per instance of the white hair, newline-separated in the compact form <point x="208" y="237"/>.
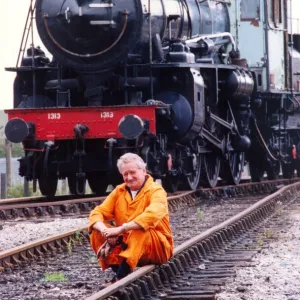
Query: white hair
<point x="131" y="157"/>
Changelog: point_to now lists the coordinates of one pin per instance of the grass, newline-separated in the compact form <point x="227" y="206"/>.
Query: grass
<point x="78" y="237"/>
<point x="16" y="149"/>
<point x="55" y="277"/>
<point x="260" y="241"/>
<point x="268" y="233"/>
<point x="17" y="191"/>
<point x="200" y="213"/>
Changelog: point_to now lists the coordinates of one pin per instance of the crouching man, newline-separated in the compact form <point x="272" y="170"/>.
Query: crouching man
<point x="139" y="211"/>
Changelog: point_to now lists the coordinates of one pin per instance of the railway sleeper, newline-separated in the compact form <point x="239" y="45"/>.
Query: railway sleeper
<point x="200" y="270"/>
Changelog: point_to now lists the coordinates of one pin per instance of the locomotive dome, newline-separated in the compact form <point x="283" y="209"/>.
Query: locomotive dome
<point x="86" y="34"/>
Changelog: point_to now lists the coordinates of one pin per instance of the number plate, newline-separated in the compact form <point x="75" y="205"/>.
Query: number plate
<point x="106" y="114"/>
<point x="54" y="116"/>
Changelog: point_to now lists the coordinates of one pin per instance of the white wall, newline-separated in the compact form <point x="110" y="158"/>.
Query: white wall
<point x="294" y="14"/>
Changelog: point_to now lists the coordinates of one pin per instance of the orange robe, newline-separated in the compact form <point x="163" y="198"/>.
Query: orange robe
<point x="151" y="245"/>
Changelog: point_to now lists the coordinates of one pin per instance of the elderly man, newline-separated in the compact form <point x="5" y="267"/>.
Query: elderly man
<point x="139" y="210"/>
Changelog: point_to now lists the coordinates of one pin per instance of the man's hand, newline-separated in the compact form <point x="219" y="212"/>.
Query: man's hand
<point x="112" y="231"/>
<point x="100" y="227"/>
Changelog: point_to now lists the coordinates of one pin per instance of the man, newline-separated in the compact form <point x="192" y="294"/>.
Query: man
<point x="139" y="210"/>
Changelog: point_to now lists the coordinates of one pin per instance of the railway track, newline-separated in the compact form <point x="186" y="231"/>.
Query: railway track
<point x="41" y="207"/>
<point x="198" y="264"/>
<point x="38" y="199"/>
<point x="202" y="264"/>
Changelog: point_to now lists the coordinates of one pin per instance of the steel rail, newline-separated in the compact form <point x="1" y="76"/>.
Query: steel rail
<point x="32" y="209"/>
<point x="7" y="257"/>
<point x="41" y="198"/>
<point x="19" y="255"/>
<point x="110" y="290"/>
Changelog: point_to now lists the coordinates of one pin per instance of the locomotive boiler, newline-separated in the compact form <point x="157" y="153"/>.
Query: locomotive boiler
<point x="171" y="80"/>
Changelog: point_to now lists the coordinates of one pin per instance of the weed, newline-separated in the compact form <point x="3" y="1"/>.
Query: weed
<point x="17" y="190"/>
<point x="55" y="277"/>
<point x="251" y="248"/>
<point x="200" y="213"/>
<point x="70" y="245"/>
<point x="268" y="233"/>
<point x="16" y="149"/>
<point x="77" y="238"/>
<point x="260" y="241"/>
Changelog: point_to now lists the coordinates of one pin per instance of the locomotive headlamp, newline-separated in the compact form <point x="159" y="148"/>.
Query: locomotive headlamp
<point x="131" y="127"/>
<point x="17" y="130"/>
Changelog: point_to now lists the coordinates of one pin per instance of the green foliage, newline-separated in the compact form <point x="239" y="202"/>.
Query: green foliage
<point x="200" y="213"/>
<point x="260" y="241"/>
<point x="268" y="233"/>
<point x="17" y="191"/>
<point x="2" y="152"/>
<point x="77" y="238"/>
<point x="55" y="277"/>
<point x="17" y="150"/>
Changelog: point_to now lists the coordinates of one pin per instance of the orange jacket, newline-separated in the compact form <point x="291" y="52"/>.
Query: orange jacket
<point x="149" y="209"/>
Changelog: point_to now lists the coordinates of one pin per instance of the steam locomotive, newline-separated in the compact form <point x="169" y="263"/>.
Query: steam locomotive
<point x="198" y="88"/>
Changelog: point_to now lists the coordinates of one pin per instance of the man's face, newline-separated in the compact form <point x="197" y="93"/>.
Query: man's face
<point x="133" y="176"/>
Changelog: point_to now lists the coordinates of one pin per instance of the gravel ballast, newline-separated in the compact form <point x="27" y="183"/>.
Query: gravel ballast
<point x="276" y="271"/>
<point x="276" y="274"/>
<point x="17" y="234"/>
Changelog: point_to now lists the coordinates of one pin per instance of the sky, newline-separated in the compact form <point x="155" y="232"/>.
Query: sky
<point x="12" y="21"/>
<point x="13" y="16"/>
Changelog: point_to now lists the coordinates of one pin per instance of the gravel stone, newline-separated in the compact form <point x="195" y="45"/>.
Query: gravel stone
<point x="276" y="274"/>
<point x="16" y="234"/>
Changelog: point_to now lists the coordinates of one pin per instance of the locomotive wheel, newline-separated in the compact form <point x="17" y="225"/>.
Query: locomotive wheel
<point x="170" y="183"/>
<point x="298" y="172"/>
<point x="192" y="181"/>
<point x="287" y="170"/>
<point x="234" y="167"/>
<point x="211" y="168"/>
<point x="48" y="185"/>
<point x="297" y="167"/>
<point x="76" y="187"/>
<point x="257" y="171"/>
<point x="211" y="161"/>
<point x="98" y="182"/>
<point x="273" y="170"/>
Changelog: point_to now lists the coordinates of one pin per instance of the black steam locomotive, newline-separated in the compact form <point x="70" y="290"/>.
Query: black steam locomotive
<point x="177" y="81"/>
